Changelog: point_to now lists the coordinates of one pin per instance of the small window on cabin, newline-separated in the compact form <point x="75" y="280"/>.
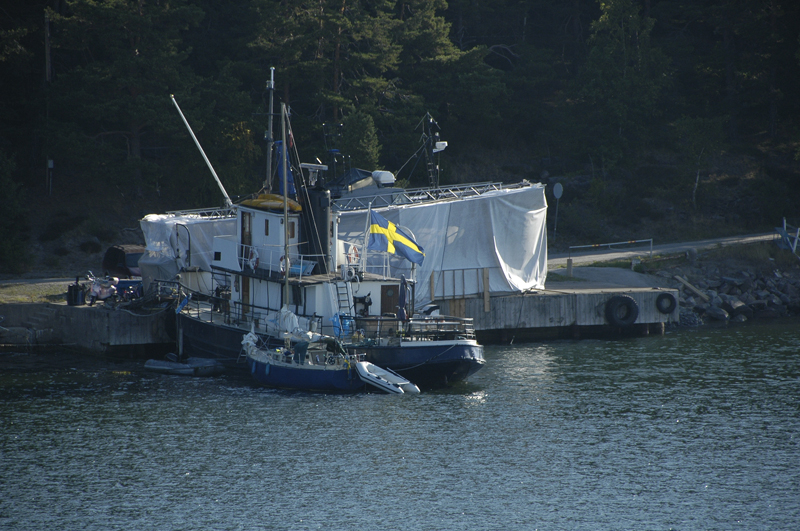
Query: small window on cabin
<point x="266" y="227"/>
<point x="217" y="256"/>
<point x="291" y="230"/>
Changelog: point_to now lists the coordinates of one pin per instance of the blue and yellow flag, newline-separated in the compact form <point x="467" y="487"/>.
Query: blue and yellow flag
<point x="386" y="236"/>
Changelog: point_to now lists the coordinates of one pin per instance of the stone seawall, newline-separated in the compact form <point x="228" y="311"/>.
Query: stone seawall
<point x="97" y="329"/>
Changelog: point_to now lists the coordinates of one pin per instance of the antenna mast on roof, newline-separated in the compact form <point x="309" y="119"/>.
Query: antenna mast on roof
<point x="270" y="141"/>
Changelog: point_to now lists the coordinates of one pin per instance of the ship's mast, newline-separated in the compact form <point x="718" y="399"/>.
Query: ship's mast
<point x="270" y="141"/>
<point x="285" y="209"/>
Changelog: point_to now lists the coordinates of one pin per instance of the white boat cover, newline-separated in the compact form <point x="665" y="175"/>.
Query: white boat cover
<point x="180" y="241"/>
<point x="503" y="230"/>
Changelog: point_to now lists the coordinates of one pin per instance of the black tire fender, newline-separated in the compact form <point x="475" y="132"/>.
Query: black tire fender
<point x="666" y="303"/>
<point x="621" y="310"/>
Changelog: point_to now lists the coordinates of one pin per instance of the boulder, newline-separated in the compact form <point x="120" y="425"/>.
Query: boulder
<point x="774" y="300"/>
<point x="770" y="312"/>
<point x="737" y="307"/>
<point x="717" y="314"/>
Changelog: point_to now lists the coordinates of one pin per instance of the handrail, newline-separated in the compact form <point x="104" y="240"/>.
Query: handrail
<point x="297" y="260"/>
<point x="400" y="196"/>
<point x="597" y="245"/>
<point x="786" y="237"/>
<point x="201" y="305"/>
<point x="212" y="213"/>
<point x="417" y="328"/>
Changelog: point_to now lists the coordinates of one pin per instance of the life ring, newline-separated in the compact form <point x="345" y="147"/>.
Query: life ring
<point x="621" y="310"/>
<point x="352" y="255"/>
<point x="282" y="262"/>
<point x="665" y="303"/>
<point x="252" y="259"/>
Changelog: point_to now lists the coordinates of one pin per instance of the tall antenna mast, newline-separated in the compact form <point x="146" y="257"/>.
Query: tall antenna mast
<point x="270" y="140"/>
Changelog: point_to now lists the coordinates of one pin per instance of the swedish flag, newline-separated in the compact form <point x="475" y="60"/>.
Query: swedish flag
<point x="386" y="236"/>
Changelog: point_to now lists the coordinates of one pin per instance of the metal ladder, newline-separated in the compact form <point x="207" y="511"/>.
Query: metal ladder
<point x="343" y="296"/>
<point x="343" y="300"/>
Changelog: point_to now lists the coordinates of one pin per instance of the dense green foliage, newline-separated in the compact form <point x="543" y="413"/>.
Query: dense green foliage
<point x="642" y="97"/>
<point x="13" y="222"/>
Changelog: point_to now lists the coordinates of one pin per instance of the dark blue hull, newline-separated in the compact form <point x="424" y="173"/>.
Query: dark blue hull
<point x="428" y="364"/>
<point x="218" y="341"/>
<point x="306" y="378"/>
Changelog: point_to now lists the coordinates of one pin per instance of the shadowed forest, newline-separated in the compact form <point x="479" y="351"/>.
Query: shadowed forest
<point x="662" y="119"/>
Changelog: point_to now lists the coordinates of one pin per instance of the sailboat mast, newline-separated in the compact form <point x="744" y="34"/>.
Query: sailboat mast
<point x="270" y="141"/>
<point x="285" y="208"/>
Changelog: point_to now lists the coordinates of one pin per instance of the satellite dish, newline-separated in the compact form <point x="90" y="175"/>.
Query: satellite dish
<point x="558" y="190"/>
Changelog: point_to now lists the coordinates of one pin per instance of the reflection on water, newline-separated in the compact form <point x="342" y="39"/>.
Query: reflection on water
<point x="697" y="429"/>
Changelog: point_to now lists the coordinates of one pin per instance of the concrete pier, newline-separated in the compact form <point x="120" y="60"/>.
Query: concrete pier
<point x="566" y="313"/>
<point x="96" y="329"/>
<point x="569" y="307"/>
<point x="572" y="306"/>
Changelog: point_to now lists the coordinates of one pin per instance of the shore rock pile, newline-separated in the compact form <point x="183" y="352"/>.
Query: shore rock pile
<point x="715" y="292"/>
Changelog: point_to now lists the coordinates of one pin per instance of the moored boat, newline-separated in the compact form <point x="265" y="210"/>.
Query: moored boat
<point x="385" y="379"/>
<point x="319" y="364"/>
<point x="188" y="367"/>
<point x="253" y="264"/>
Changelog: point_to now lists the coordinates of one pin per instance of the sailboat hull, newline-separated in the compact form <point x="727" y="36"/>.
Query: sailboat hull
<point x="305" y="378"/>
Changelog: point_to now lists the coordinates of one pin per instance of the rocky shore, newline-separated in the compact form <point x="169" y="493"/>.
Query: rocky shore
<point x="735" y="289"/>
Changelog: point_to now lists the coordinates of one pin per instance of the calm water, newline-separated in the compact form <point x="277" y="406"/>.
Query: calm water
<point x="695" y="430"/>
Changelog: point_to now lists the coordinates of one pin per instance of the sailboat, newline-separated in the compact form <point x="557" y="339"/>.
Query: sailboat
<point x="318" y="363"/>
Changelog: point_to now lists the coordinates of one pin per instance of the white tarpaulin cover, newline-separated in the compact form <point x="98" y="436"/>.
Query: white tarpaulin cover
<point x="186" y="238"/>
<point x="503" y="230"/>
<point x="175" y="242"/>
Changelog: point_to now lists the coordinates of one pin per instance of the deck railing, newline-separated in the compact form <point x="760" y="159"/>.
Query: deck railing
<point x="415" y="329"/>
<point x="610" y="246"/>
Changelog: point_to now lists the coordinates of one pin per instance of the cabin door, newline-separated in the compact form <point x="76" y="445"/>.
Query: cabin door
<point x="247" y="235"/>
<point x="245" y="295"/>
<point x="390" y="299"/>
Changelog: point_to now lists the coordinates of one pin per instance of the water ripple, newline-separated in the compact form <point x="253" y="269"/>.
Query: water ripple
<point x="691" y="430"/>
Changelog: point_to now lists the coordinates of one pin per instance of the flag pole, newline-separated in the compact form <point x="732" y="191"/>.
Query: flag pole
<point x="366" y="239"/>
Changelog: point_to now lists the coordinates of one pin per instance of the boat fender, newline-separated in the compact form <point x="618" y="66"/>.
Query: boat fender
<point x="665" y="303"/>
<point x="252" y="260"/>
<point x="621" y="310"/>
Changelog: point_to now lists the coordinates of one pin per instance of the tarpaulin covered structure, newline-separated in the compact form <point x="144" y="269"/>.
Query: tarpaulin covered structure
<point x="182" y="241"/>
<point x="502" y="233"/>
